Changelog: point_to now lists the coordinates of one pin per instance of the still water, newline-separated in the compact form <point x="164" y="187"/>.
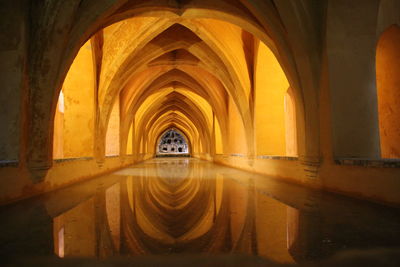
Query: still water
<point x="181" y="206"/>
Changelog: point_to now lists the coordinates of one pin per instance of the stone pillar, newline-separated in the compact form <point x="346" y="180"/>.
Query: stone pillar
<point x="12" y="67"/>
<point x="351" y="44"/>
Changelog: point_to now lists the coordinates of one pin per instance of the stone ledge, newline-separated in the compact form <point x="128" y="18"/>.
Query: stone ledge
<point x="260" y="157"/>
<point x="9" y="163"/>
<point x="277" y="157"/>
<point x="383" y="163"/>
<point x="238" y="155"/>
<point x="113" y="156"/>
<point x="173" y="156"/>
<point x="72" y="159"/>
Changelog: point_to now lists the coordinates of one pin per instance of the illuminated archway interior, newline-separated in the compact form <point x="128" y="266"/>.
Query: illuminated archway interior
<point x="192" y="74"/>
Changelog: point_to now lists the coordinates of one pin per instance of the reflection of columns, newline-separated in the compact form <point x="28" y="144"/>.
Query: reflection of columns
<point x="104" y="243"/>
<point x="239" y="208"/>
<point x="247" y="242"/>
<point x="272" y="220"/>
<point x="74" y="234"/>
<point x="304" y="235"/>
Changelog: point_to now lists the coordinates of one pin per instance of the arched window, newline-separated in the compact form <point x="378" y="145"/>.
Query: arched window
<point x="388" y="86"/>
<point x="173" y="142"/>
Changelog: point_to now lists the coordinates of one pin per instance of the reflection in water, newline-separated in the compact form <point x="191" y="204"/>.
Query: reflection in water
<point x="74" y="231"/>
<point x="166" y="206"/>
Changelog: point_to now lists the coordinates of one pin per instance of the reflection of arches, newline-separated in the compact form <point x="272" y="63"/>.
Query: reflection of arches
<point x="290" y="124"/>
<point x="388" y="86"/>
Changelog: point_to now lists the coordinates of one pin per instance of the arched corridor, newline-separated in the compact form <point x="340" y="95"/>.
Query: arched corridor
<point x="302" y="92"/>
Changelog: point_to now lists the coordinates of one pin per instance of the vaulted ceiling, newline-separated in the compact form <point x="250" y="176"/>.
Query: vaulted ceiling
<point x="180" y="64"/>
<point x="173" y="73"/>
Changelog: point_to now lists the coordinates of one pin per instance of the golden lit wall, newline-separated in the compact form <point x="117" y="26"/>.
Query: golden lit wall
<point x="77" y="121"/>
<point x="270" y="89"/>
<point x="290" y="124"/>
<point x="388" y="84"/>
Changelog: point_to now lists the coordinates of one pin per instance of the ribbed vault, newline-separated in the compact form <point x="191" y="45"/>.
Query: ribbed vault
<point x="176" y="57"/>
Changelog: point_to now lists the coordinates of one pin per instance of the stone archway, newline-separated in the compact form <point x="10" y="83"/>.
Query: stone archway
<point x="95" y="15"/>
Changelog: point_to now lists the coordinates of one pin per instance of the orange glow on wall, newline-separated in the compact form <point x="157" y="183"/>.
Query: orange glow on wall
<point x="290" y="124"/>
<point x="270" y="85"/>
<point x="388" y="85"/>
<point x="74" y="118"/>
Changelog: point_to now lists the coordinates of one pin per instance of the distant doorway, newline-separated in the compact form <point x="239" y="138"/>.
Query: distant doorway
<point x="172" y="143"/>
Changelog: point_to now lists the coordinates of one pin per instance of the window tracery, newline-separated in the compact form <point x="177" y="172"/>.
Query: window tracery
<point x="173" y="142"/>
